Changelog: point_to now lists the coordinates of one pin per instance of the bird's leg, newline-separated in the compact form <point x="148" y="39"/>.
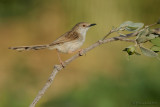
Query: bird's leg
<point x="60" y="60"/>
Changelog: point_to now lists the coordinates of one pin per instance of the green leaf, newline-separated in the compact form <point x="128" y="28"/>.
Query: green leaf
<point x="130" y="50"/>
<point x="143" y="32"/>
<point x="148" y="52"/>
<point x="156" y="41"/>
<point x="130" y="26"/>
<point x="126" y="23"/>
<point x="151" y="36"/>
<point x="141" y="39"/>
<point x="134" y="26"/>
<point x="142" y="36"/>
<point x="137" y="53"/>
<point x="155" y="48"/>
<point x="156" y="31"/>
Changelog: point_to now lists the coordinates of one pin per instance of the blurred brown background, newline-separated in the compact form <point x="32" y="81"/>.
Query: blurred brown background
<point x="103" y="78"/>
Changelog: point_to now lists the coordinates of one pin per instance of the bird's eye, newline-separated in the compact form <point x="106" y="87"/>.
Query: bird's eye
<point x="84" y="25"/>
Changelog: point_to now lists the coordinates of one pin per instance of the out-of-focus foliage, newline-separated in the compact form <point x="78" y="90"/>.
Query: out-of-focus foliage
<point x="10" y="8"/>
<point x="133" y="88"/>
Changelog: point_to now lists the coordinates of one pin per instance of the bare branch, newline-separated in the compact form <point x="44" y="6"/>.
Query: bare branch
<point x="58" y="68"/>
<point x="111" y="31"/>
<point x="47" y="85"/>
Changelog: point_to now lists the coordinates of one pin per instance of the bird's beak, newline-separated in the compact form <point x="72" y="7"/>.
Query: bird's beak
<point x="92" y="24"/>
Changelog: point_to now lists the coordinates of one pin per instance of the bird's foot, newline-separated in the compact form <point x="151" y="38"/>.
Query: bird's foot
<point x="62" y="64"/>
<point x="81" y="52"/>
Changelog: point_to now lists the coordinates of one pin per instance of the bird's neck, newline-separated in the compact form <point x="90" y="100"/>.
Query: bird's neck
<point x="82" y="32"/>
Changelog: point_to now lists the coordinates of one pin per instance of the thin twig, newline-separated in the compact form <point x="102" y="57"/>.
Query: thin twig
<point x="111" y="31"/>
<point x="150" y="25"/>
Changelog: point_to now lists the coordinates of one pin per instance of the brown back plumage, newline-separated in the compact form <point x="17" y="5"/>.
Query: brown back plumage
<point x="69" y="36"/>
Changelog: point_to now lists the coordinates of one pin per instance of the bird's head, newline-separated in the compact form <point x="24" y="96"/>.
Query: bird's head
<point x="82" y="27"/>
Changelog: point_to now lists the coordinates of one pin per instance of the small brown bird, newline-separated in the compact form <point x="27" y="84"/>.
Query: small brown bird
<point x="67" y="43"/>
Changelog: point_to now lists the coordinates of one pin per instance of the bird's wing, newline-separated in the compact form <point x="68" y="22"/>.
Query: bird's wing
<point x="69" y="36"/>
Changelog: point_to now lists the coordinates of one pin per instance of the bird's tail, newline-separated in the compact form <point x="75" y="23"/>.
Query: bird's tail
<point x="23" y="48"/>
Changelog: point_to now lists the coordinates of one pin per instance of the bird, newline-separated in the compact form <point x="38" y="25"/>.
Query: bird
<point x="69" y="42"/>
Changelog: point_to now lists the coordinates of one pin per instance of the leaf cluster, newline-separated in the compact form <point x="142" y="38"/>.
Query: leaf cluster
<point x="144" y="34"/>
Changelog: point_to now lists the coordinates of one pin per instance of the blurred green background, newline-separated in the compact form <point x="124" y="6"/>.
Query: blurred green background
<point x="103" y="78"/>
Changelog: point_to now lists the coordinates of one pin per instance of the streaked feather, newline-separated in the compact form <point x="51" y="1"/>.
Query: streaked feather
<point x="67" y="37"/>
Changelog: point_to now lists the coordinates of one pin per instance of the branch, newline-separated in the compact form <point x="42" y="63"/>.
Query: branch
<point x="58" y="68"/>
<point x="47" y="85"/>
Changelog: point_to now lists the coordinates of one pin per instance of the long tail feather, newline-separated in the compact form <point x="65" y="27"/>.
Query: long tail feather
<point x="23" y="48"/>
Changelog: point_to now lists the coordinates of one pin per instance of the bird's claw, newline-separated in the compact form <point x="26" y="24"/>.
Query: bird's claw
<point x="81" y="52"/>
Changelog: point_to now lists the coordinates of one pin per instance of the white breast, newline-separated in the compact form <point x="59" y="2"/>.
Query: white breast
<point x="69" y="47"/>
<point x="83" y="31"/>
